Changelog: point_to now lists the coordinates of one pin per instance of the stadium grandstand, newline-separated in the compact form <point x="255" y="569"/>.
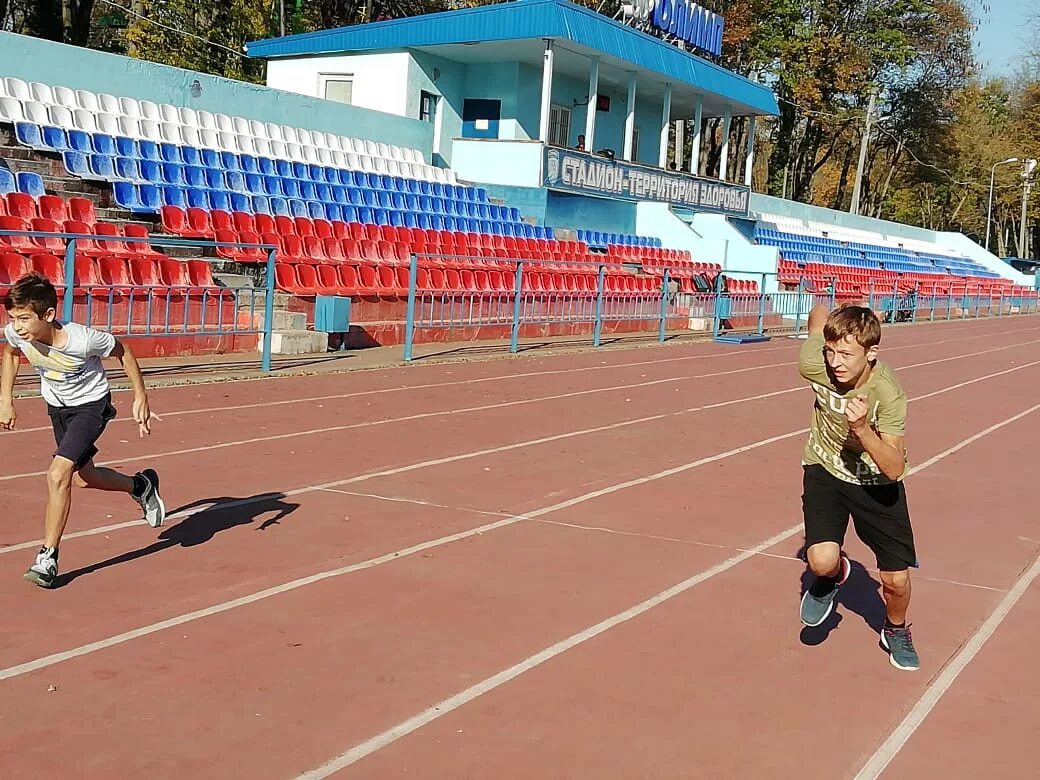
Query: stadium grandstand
<point x="384" y="143"/>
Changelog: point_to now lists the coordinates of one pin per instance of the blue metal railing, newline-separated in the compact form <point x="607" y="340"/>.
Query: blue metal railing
<point x="722" y="306"/>
<point x="131" y="293"/>
<point x="526" y="303"/>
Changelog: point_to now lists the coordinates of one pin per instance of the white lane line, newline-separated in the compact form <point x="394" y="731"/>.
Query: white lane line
<point x="891" y="747"/>
<point x="216" y="609"/>
<point x="481" y="380"/>
<point x="421" y="416"/>
<point x="621" y="532"/>
<point x="452" y="703"/>
<point x="424" y="464"/>
<point x="506" y="448"/>
<point x="92" y="647"/>
<point x="483" y="408"/>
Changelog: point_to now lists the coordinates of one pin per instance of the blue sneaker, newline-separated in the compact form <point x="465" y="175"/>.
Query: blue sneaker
<point x="818" y="600"/>
<point x="900" y="647"/>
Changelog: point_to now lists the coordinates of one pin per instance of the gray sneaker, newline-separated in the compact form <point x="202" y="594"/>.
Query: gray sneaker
<point x="818" y="600"/>
<point x="44" y="571"/>
<point x="150" y="500"/>
<point x="900" y="647"/>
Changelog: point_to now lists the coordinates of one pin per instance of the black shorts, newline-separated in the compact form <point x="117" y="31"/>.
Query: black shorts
<point x="879" y="513"/>
<point x="77" y="429"/>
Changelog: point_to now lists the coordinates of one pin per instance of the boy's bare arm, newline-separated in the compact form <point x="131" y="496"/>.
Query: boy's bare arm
<point x="8" y="372"/>
<point x="142" y="413"/>
<point x="885" y="449"/>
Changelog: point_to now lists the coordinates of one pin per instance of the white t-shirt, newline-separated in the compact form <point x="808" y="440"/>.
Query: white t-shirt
<point x="72" y="375"/>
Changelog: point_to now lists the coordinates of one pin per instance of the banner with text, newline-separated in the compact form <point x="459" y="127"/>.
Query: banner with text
<point x="588" y="174"/>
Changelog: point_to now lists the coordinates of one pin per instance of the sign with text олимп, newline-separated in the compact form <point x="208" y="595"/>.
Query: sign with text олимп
<point x="586" y="174"/>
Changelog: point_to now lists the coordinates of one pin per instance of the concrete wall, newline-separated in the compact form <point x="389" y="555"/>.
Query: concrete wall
<point x="578" y="212"/>
<point x="56" y="64"/>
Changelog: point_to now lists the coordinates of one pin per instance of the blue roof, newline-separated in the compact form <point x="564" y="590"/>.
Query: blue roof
<point x="530" y="20"/>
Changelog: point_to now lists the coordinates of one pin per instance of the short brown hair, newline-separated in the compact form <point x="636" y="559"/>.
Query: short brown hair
<point x="859" y="322"/>
<point x="32" y="291"/>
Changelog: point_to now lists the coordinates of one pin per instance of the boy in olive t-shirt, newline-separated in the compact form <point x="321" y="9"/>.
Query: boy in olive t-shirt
<point x="853" y="465"/>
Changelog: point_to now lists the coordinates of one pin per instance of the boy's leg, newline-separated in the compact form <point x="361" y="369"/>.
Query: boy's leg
<point x="826" y="518"/>
<point x="883" y="523"/>
<point x="895" y="587"/>
<point x="143" y="487"/>
<point x="101" y="478"/>
<point x="59" y="499"/>
<point x="44" y="570"/>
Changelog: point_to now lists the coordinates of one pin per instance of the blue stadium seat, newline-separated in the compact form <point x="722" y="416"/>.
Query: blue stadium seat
<point x="173" y="196"/>
<point x="29" y="134"/>
<point x="104" y="144"/>
<point x="219" y="200"/>
<point x="128" y="168"/>
<point x="279" y="206"/>
<point x="76" y="163"/>
<point x="241" y="202"/>
<point x="8" y="182"/>
<point x="55" y="138"/>
<point x="149" y="150"/>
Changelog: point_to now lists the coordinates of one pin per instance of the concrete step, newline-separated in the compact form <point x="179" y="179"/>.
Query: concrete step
<point x="185" y="252"/>
<point x="283" y="320"/>
<point x="85" y="188"/>
<point x="233" y="280"/>
<point x="45" y="169"/>
<point x="121" y="217"/>
<point x="12" y="152"/>
<point x="296" y="342"/>
<point x="281" y="300"/>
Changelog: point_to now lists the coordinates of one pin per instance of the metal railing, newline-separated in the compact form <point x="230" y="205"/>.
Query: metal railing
<point x="508" y="293"/>
<point x="121" y="304"/>
<point x="718" y="306"/>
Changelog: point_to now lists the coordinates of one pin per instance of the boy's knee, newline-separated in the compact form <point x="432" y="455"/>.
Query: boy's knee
<point x="823" y="558"/>
<point x="59" y="475"/>
<point x="895" y="581"/>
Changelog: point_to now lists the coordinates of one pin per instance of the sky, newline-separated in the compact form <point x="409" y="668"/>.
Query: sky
<point x="1003" y="34"/>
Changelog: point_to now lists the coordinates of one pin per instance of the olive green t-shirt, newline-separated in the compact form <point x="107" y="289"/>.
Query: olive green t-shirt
<point x="830" y="442"/>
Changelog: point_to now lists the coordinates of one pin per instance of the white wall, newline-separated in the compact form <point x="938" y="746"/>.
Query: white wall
<point x="710" y="239"/>
<point x="512" y="163"/>
<point x="380" y="80"/>
<point x="961" y="243"/>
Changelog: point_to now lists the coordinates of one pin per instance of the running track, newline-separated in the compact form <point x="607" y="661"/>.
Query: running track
<point x="572" y="566"/>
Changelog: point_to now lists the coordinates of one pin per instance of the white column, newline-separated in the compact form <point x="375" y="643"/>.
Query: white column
<point x="680" y="143"/>
<point x="698" y="120"/>
<point x="749" y="163"/>
<point x="727" y="123"/>
<point x="590" y="116"/>
<point x="547" y="78"/>
<point x="630" y="120"/>
<point x="666" y="117"/>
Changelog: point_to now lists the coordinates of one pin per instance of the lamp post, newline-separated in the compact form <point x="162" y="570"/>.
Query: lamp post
<point x="992" y="175"/>
<point x="1023" y="241"/>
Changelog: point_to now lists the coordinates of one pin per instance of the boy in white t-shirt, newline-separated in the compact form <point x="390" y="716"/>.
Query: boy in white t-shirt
<point x="73" y="382"/>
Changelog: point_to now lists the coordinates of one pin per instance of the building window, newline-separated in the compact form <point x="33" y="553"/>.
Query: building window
<point x="338" y="87"/>
<point x="635" y="143"/>
<point x="427" y="106"/>
<point x="559" y="126"/>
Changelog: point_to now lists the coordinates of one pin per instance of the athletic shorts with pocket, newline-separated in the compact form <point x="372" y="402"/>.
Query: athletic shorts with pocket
<point x="77" y="428"/>
<point x="879" y="514"/>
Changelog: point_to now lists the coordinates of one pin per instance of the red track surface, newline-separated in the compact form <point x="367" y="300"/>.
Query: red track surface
<point x="576" y="566"/>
